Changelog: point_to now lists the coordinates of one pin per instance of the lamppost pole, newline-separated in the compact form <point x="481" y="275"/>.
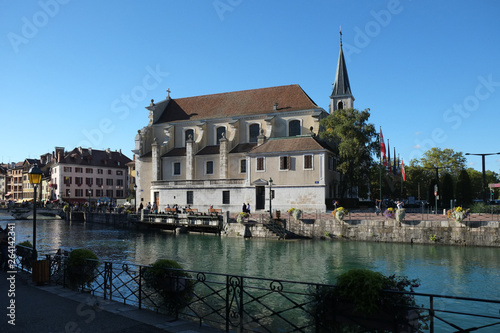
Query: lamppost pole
<point x="270" y="198"/>
<point x="484" y="172"/>
<point x="35" y="177"/>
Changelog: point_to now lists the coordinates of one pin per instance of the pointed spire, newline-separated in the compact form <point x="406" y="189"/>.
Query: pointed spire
<point x="341" y="87"/>
<point x="341" y="97"/>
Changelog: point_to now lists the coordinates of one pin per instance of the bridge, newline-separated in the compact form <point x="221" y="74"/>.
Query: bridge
<point x="24" y="213"/>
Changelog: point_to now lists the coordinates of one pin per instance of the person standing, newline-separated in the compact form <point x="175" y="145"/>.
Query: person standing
<point x="244" y="209"/>
<point x="248" y="208"/>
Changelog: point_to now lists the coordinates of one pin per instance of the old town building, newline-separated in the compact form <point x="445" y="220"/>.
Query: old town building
<point x="255" y="146"/>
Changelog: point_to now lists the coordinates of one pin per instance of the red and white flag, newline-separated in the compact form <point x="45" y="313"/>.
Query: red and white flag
<point x="403" y="173"/>
<point x="382" y="148"/>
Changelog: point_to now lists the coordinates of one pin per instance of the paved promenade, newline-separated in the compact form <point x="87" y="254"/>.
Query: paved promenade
<point x="55" y="309"/>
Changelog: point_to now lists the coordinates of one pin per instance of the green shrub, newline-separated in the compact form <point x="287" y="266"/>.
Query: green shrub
<point x="359" y="296"/>
<point x="81" y="267"/>
<point x="166" y="278"/>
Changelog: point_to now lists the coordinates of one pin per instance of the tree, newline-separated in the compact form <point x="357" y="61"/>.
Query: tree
<point x="476" y="179"/>
<point x="356" y="141"/>
<point x="463" y="189"/>
<point x="446" y="190"/>
<point x="418" y="180"/>
<point x="446" y="160"/>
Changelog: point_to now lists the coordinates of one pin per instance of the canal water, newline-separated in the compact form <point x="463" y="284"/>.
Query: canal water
<point x="444" y="270"/>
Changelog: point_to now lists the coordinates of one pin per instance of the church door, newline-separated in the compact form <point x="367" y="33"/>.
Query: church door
<point x="260" y="197"/>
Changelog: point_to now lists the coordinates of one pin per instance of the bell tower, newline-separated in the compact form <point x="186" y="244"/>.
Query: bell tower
<point x="341" y="97"/>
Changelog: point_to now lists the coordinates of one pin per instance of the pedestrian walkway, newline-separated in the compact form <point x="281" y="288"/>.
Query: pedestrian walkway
<point x="55" y="309"/>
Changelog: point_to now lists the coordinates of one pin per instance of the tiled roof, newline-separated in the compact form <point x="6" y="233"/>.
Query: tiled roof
<point x="209" y="150"/>
<point x="243" y="148"/>
<point x="238" y="103"/>
<point x="290" y="144"/>
<point x="94" y="157"/>
<point x="176" y="152"/>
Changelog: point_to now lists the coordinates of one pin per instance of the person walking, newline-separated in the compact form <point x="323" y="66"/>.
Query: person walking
<point x="248" y="208"/>
<point x="244" y="208"/>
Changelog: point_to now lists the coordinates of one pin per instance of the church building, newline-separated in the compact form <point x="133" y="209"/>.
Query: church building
<point x="258" y="147"/>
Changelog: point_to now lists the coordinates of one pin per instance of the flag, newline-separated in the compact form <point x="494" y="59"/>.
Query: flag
<point x="382" y="148"/>
<point x="403" y="173"/>
<point x="389" y="156"/>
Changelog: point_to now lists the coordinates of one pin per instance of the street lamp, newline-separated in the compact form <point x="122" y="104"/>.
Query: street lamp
<point x="135" y="198"/>
<point x="89" y="191"/>
<point x="484" y="171"/>
<point x="35" y="177"/>
<point x="270" y="198"/>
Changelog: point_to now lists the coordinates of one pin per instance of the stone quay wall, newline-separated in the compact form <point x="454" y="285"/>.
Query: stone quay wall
<point x="450" y="232"/>
<point x="477" y="230"/>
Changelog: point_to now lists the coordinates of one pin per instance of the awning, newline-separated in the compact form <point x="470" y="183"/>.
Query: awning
<point x="8" y="194"/>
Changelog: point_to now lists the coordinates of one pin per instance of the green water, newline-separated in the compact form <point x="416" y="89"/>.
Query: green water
<point x="460" y="271"/>
<point x="443" y="270"/>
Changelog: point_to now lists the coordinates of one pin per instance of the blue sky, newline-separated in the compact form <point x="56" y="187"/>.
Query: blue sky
<point x="79" y="73"/>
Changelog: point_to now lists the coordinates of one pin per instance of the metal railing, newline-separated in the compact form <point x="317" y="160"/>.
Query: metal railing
<point x="241" y="303"/>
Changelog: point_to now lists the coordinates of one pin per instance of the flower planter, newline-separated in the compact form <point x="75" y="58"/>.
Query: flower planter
<point x="400" y="214"/>
<point x="339" y="216"/>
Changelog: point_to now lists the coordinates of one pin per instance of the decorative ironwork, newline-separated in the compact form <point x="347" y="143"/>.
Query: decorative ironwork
<point x="237" y="303"/>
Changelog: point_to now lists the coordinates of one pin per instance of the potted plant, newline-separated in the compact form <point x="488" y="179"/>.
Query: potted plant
<point x="340" y="213"/>
<point x="174" y="286"/>
<point x="241" y="216"/>
<point x="400" y="214"/>
<point x="81" y="267"/>
<point x="295" y="212"/>
<point x="390" y="213"/>
<point x="458" y="214"/>
<point x="362" y="299"/>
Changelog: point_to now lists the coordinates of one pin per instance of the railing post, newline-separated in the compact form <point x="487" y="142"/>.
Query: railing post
<point x="140" y="287"/>
<point x="110" y="272"/>
<point x="105" y="286"/>
<point x="241" y="305"/>
<point x="431" y="313"/>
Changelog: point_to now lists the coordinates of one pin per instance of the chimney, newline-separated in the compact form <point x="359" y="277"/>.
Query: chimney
<point x="275" y="106"/>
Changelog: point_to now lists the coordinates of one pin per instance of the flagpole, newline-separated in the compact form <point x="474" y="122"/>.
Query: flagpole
<point x="380" y="167"/>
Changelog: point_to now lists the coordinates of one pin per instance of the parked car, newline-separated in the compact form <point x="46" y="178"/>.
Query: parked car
<point x="421" y="203"/>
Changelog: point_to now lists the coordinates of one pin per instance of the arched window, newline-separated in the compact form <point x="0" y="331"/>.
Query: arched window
<point x="340" y="105"/>
<point x="254" y="131"/>
<point x="221" y="132"/>
<point x="294" y="128"/>
<point x="187" y="135"/>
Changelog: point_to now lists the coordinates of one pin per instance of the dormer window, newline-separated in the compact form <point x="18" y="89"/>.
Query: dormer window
<point x="221" y="133"/>
<point x="294" y="128"/>
<point x="188" y="134"/>
<point x="254" y="131"/>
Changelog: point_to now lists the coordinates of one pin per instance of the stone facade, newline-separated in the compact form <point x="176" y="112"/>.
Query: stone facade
<point x="255" y="146"/>
<point x="223" y="150"/>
